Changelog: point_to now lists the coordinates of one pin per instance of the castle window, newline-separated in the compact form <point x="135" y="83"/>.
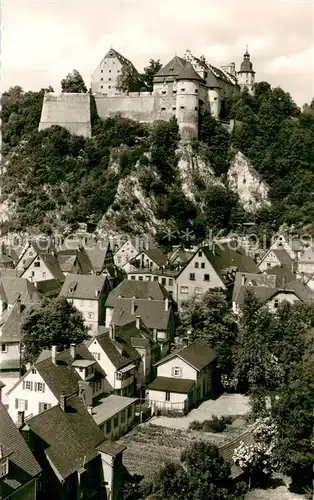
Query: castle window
<point x="174" y="108"/>
<point x="215" y="98"/>
<point x="109" y="86"/>
<point x="196" y="91"/>
<point x="101" y="86"/>
<point x="101" y="71"/>
<point x="110" y="71"/>
<point x="196" y="109"/>
<point x="174" y="91"/>
<point x="102" y="79"/>
<point x="109" y="79"/>
<point x="164" y="92"/>
<point x="163" y="109"/>
<point x="182" y="90"/>
<point x="244" y="180"/>
<point x="182" y="107"/>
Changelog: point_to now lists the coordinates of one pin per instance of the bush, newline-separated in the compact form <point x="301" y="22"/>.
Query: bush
<point x="216" y="424"/>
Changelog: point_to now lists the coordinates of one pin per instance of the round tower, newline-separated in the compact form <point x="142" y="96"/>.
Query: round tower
<point x="246" y="75"/>
<point x="187" y="102"/>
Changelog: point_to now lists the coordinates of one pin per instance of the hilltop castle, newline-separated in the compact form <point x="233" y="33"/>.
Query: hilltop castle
<point x="182" y="88"/>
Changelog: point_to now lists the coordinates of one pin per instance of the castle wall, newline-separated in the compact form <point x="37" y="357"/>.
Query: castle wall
<point x="71" y="111"/>
<point x="187" y="109"/>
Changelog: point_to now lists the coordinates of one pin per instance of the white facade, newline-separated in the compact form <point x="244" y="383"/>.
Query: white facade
<point x="38" y="271"/>
<point x="105" y="77"/>
<point x="168" y="369"/>
<point x="284" y="296"/>
<point x="197" y="277"/>
<point x="30" y="395"/>
<point x="269" y="260"/>
<point x="125" y="254"/>
<point x="90" y="312"/>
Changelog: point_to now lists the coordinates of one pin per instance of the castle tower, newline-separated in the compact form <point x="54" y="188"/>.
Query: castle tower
<point x="187" y="102"/>
<point x="246" y="75"/>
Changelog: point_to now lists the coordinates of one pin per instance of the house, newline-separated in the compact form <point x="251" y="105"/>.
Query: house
<point x="179" y="257"/>
<point x="10" y="344"/>
<point x="100" y="256"/>
<point x="74" y="261"/>
<point x="164" y="277"/>
<point x="42" y="267"/>
<point x="127" y="355"/>
<point x="271" y="294"/>
<point x="115" y="415"/>
<point x="152" y="259"/>
<point x="276" y="257"/>
<point x="211" y="268"/>
<point x="48" y="288"/>
<point x="227" y="452"/>
<point x="291" y="243"/>
<point x="88" y="293"/>
<point x="247" y="281"/>
<point x="53" y="373"/>
<point x="305" y="263"/>
<point x="146" y="299"/>
<point x="12" y="289"/>
<point x="184" y="378"/>
<point x="76" y="459"/>
<point x="125" y="253"/>
<point x="19" y="470"/>
<point x="33" y="248"/>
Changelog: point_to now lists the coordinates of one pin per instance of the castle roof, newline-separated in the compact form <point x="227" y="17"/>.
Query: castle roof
<point x="171" y="69"/>
<point x="246" y="65"/>
<point x="123" y="60"/>
<point x="189" y="73"/>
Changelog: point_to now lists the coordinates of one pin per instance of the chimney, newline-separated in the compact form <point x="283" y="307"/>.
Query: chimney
<point x="186" y="341"/>
<point x="2" y="385"/>
<point x="97" y="292"/>
<point x="20" y="419"/>
<point x="166" y="304"/>
<point x="73" y="350"/>
<point x="243" y="279"/>
<point x="155" y="335"/>
<point x="54" y="354"/>
<point x="63" y="401"/>
<point x="293" y="265"/>
<point x="133" y="306"/>
<point x="213" y="249"/>
<point x="302" y="278"/>
<point x="18" y="304"/>
<point x="138" y="322"/>
<point x="112" y="331"/>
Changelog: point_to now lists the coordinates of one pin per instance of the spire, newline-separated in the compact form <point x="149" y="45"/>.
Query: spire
<point x="246" y="65"/>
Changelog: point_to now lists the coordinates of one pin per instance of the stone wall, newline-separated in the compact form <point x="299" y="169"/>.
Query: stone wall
<point x="71" y="111"/>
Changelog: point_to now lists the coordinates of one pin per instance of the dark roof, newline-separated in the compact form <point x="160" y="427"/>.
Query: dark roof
<point x="97" y="257"/>
<point x="152" y="312"/>
<point x="69" y="437"/>
<point x="139" y="289"/>
<point x="123" y="60"/>
<point x="197" y="354"/>
<point x="251" y="279"/>
<point x="83" y="286"/>
<point x="283" y="275"/>
<point x="156" y="255"/>
<point x="189" y="73"/>
<point x="171" y="69"/>
<point x="68" y="257"/>
<point x="22" y="464"/>
<point x="119" y="351"/>
<point x="11" y="288"/>
<point x="227" y="451"/>
<point x="48" y="288"/>
<point x="246" y="65"/>
<point x="11" y="323"/>
<point x="167" y="384"/>
<point x="283" y="257"/>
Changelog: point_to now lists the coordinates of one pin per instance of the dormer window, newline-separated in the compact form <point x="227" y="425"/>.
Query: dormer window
<point x="4" y="467"/>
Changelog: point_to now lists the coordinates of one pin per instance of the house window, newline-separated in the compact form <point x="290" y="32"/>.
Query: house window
<point x="28" y="386"/>
<point x="43" y="274"/>
<point x="200" y="254"/>
<point x="170" y="282"/>
<point x="148" y="278"/>
<point x="155" y="278"/>
<point x="123" y="417"/>
<point x="140" y="278"/>
<point x="206" y="277"/>
<point x="276" y="303"/>
<point x="21" y="404"/>
<point x="39" y="387"/>
<point x="36" y="264"/>
<point x="90" y="315"/>
<point x="96" y="355"/>
<point x="196" y="265"/>
<point x="108" y="426"/>
<point x="163" y="281"/>
<point x="202" y="265"/>
<point x="34" y="371"/>
<point x="184" y="289"/>
<point x="97" y="385"/>
<point x="129" y="411"/>
<point x="176" y="371"/>
<point x="40" y="485"/>
<point x="198" y="290"/>
<point x="132" y="277"/>
<point x="4" y="347"/>
<point x="4" y="467"/>
<point x="167" y="397"/>
<point x="43" y="407"/>
<point x="192" y="277"/>
<point x="116" y="422"/>
<point x="118" y="376"/>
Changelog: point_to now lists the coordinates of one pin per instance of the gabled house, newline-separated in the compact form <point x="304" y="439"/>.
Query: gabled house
<point x="33" y="248"/>
<point x="115" y="415"/>
<point x="125" y="253"/>
<point x="288" y="242"/>
<point x="19" y="470"/>
<point x="12" y="289"/>
<point x="76" y="459"/>
<point x="184" y="378"/>
<point x="210" y="268"/>
<point x="164" y="277"/>
<point x="118" y="359"/>
<point x="88" y="293"/>
<point x="153" y="259"/>
<point x="276" y="257"/>
<point x="74" y="261"/>
<point x="53" y="373"/>
<point x="42" y="267"/>
<point x="100" y="256"/>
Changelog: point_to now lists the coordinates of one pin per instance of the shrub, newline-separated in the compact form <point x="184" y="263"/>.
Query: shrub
<point x="195" y="425"/>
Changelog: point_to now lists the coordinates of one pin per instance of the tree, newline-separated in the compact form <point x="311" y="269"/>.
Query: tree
<point x="202" y="474"/>
<point x="73" y="83"/>
<point x="55" y="322"/>
<point x="150" y="72"/>
<point x="130" y="80"/>
<point x="209" y="319"/>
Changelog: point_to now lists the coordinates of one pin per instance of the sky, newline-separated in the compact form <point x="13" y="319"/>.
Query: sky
<point x="42" y="41"/>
